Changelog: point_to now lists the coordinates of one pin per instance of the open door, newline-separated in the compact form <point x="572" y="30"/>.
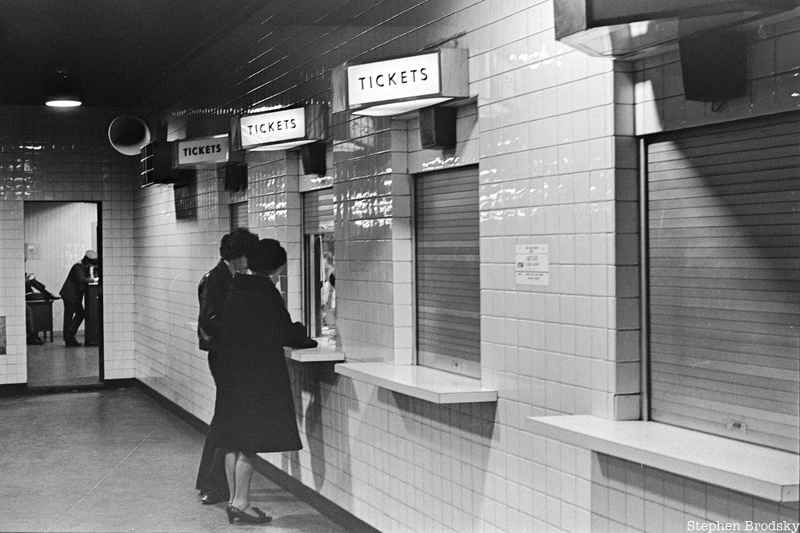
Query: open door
<point x="57" y="235"/>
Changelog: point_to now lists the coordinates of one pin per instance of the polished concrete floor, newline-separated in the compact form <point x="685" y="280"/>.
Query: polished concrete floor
<point x="54" y="365"/>
<point x="116" y="461"/>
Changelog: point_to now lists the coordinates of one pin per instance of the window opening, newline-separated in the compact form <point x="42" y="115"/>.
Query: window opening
<point x="724" y="280"/>
<point x="320" y="264"/>
<point x="447" y="265"/>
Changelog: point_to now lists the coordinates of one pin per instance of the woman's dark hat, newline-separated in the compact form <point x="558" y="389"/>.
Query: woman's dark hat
<point x="265" y="256"/>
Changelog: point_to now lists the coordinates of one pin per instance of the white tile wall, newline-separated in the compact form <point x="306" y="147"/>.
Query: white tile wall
<point x="45" y="155"/>
<point x="670" y="501"/>
<point x="551" y="133"/>
<point x="773" y="86"/>
<point x="638" y="498"/>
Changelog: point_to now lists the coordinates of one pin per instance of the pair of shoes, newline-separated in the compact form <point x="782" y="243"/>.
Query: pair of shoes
<point x="35" y="340"/>
<point x="210" y="498"/>
<point x="71" y="342"/>
<point x="244" y="518"/>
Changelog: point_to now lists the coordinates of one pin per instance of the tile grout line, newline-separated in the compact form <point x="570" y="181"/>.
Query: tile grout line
<point x="101" y="481"/>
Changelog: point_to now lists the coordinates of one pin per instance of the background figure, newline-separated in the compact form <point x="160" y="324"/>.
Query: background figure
<point x="255" y="408"/>
<point x="33" y="337"/>
<point x="212" y="292"/>
<point x="31" y="284"/>
<point x="73" y="290"/>
<point x="328" y="295"/>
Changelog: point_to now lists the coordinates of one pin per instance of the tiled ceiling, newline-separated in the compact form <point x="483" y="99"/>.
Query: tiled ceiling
<point x="116" y="50"/>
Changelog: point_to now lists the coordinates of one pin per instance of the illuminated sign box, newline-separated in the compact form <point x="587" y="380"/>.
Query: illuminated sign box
<point x="400" y="85"/>
<point x="283" y="129"/>
<point x="627" y="30"/>
<point x="203" y="151"/>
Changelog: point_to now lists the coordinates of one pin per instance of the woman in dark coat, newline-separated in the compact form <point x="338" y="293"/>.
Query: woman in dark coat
<point x="212" y="292"/>
<point x="255" y="406"/>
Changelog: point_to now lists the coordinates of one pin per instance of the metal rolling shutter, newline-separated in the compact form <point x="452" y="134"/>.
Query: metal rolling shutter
<point x="724" y="280"/>
<point x="448" y="271"/>
<point x="318" y="212"/>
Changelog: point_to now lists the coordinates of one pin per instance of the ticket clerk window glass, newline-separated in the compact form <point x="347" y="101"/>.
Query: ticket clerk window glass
<point x="319" y="293"/>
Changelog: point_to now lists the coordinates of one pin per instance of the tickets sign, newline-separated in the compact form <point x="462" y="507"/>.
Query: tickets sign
<point x="395" y="79"/>
<point x="399" y="85"/>
<point x="205" y="150"/>
<point x="273" y="127"/>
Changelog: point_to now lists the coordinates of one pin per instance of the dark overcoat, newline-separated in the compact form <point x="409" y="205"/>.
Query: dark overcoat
<point x="212" y="291"/>
<point x="255" y="406"/>
<point x="76" y="283"/>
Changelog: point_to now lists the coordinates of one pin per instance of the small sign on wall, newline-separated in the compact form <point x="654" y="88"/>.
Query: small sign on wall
<point x="32" y="251"/>
<point x="532" y="262"/>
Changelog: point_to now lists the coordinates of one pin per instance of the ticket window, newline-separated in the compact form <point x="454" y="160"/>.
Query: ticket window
<point x="447" y="265"/>
<point x="319" y="296"/>
<point x="239" y="215"/>
<point x="723" y="280"/>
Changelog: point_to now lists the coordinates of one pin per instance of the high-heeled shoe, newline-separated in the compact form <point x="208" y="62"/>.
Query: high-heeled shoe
<point x="244" y="518"/>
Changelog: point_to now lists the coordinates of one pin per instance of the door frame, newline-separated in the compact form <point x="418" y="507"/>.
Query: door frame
<point x="99" y="249"/>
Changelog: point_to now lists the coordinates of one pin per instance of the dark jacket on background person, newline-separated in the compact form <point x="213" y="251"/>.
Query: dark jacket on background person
<point x="255" y="405"/>
<point x="72" y="293"/>
<point x="212" y="291"/>
<point x="32" y="283"/>
<point x="76" y="283"/>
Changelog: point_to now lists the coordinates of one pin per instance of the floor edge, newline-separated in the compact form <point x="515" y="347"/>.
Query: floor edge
<point x="320" y="503"/>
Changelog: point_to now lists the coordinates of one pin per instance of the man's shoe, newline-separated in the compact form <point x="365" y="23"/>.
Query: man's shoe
<point x="72" y="342"/>
<point x="210" y="498"/>
<point x="35" y="340"/>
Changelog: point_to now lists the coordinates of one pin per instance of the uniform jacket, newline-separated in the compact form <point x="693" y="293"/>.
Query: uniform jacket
<point x="255" y="406"/>
<point x="76" y="283"/>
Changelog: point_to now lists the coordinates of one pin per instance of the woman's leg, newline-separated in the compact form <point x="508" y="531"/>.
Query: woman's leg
<point x="240" y="491"/>
<point x="230" y="473"/>
<point x="239" y="467"/>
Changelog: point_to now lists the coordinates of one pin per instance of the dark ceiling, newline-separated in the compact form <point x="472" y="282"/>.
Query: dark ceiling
<point x="116" y="50"/>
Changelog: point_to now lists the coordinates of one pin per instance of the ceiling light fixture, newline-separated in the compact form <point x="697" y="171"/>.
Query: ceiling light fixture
<point x="63" y="92"/>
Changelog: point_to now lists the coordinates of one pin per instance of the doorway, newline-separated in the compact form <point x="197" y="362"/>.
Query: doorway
<point x="57" y="235"/>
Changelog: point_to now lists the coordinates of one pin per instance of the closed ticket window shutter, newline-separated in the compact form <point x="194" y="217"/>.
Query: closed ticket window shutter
<point x="239" y="215"/>
<point x="448" y="271"/>
<point x="318" y="212"/>
<point x="724" y="280"/>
